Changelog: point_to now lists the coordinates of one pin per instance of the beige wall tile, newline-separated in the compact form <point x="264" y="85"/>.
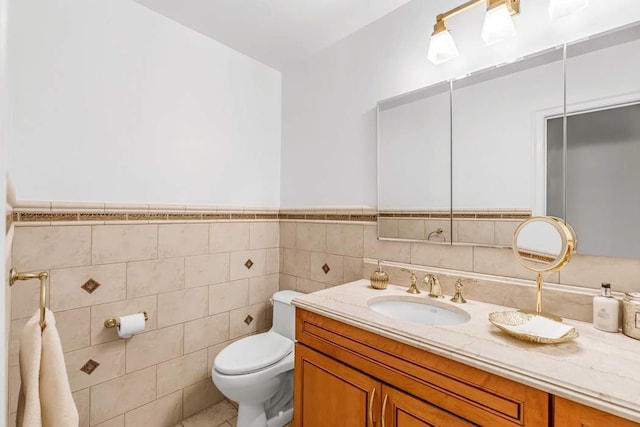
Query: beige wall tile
<point x="264" y="235"/>
<point x="345" y="239"/>
<point x="155" y="276"/>
<point x="476" y="231"/>
<point x="445" y="256"/>
<point x="203" y="333"/>
<point x="311" y="237"/>
<point x="43" y="248"/>
<point x="273" y="261"/>
<point x="24" y="298"/>
<point x="411" y="228"/>
<point x="504" y="230"/>
<point x="238" y="270"/>
<point x="118" y="243"/>
<point x="122" y="394"/>
<point x="237" y="325"/>
<point x="182" y="306"/>
<point x="262" y="288"/>
<point x="388" y="227"/>
<point x="67" y="293"/>
<point x="227" y="296"/>
<point x="176" y="374"/>
<point x="501" y="262"/>
<point x="307" y="286"/>
<point x="334" y="276"/>
<point x="110" y="356"/>
<point x="288" y="234"/>
<point x="74" y="328"/>
<point x="164" y="412"/>
<point x="228" y="236"/>
<point x="182" y="239"/>
<point x="297" y="263"/>
<point x="206" y="269"/>
<point x="287" y="282"/>
<point x="212" y="352"/>
<point x="352" y="269"/>
<point x="215" y="416"/>
<point x="100" y="313"/>
<point x="81" y="399"/>
<point x="389" y="251"/>
<point x="591" y="271"/>
<point x="14" y="340"/>
<point x="113" y="422"/>
<point x="200" y="396"/>
<point x="153" y="347"/>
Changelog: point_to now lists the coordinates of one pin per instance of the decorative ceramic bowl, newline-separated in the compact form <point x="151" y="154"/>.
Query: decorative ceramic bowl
<point x="503" y="319"/>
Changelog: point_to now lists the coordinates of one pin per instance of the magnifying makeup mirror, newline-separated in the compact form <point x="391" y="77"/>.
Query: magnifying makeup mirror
<point x="543" y="244"/>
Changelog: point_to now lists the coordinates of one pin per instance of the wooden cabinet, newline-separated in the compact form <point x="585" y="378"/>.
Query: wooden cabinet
<point x="346" y="371"/>
<point x="349" y="377"/>
<point x="571" y="414"/>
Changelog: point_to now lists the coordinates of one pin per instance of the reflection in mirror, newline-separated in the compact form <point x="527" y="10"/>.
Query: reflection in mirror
<point x="494" y="126"/>
<point x="603" y="145"/>
<point x="413" y="166"/>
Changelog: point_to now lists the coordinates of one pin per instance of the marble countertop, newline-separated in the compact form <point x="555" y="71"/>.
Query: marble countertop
<point x="598" y="369"/>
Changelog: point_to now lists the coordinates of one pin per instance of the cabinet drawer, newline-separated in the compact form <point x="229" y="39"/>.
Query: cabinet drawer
<point x="477" y="396"/>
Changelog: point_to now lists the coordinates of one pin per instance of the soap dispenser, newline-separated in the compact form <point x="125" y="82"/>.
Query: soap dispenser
<point x="379" y="278"/>
<point x="605" y="310"/>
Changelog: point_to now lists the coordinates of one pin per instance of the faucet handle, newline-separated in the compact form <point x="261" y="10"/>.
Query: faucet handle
<point x="458" y="286"/>
<point x="413" y="289"/>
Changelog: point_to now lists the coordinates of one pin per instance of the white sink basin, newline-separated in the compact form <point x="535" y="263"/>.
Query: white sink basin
<point x="431" y="312"/>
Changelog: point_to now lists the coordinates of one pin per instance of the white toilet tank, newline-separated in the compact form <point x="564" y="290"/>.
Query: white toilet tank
<point x="284" y="313"/>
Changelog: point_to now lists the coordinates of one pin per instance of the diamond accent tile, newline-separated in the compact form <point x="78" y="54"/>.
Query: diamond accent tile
<point x="325" y="268"/>
<point x="248" y="264"/>
<point x="248" y="319"/>
<point x="90" y="285"/>
<point x="90" y="366"/>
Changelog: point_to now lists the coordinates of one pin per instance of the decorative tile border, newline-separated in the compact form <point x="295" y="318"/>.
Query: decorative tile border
<point x="496" y="214"/>
<point x="32" y="213"/>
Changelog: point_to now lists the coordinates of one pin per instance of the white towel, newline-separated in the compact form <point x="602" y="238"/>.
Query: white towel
<point x="45" y="395"/>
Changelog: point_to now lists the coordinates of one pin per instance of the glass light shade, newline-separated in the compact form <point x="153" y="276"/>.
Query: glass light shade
<point x="498" y="25"/>
<point x="560" y="8"/>
<point x="442" y="47"/>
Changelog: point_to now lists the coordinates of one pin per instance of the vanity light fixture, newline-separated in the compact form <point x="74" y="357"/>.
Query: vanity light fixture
<point x="497" y="26"/>
<point x="560" y="8"/>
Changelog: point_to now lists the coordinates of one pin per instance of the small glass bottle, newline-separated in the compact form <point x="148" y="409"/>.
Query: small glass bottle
<point x="606" y="310"/>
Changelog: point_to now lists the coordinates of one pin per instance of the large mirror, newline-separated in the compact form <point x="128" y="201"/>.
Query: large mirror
<point x="509" y="155"/>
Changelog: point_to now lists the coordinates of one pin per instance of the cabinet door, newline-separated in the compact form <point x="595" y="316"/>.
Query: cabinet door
<point x="571" y="414"/>
<point x="402" y="410"/>
<point x="329" y="393"/>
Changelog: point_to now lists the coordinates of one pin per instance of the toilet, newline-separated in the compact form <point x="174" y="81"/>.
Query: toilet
<point x="257" y="371"/>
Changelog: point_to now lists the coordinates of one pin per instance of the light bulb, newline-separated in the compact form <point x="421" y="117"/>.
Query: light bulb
<point x="560" y="8"/>
<point x="442" y="47"/>
<point x="498" y="25"/>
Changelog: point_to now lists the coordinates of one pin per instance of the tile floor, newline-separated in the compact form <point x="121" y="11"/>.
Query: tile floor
<point x="223" y="414"/>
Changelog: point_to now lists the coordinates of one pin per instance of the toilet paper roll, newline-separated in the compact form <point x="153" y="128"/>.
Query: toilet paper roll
<point x="130" y="325"/>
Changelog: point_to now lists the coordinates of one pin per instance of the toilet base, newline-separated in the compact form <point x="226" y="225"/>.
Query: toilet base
<point x="254" y="416"/>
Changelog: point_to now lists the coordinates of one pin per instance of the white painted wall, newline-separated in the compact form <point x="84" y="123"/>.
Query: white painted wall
<point x="113" y="102"/>
<point x="4" y="301"/>
<point x="329" y="128"/>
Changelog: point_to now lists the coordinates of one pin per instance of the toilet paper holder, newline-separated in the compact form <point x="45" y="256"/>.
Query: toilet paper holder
<point x="113" y="322"/>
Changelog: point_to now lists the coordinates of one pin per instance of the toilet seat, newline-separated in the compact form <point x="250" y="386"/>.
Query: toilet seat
<point x="252" y="353"/>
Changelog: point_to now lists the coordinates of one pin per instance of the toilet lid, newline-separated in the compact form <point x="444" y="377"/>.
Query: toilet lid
<point x="252" y="353"/>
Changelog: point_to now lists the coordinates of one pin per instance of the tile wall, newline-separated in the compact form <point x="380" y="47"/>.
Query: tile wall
<point x="194" y="280"/>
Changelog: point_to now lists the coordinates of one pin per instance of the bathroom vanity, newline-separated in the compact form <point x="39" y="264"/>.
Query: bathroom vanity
<point x="355" y="367"/>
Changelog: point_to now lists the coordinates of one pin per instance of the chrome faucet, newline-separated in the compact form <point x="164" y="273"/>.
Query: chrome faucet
<point x="413" y="289"/>
<point x="435" y="290"/>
